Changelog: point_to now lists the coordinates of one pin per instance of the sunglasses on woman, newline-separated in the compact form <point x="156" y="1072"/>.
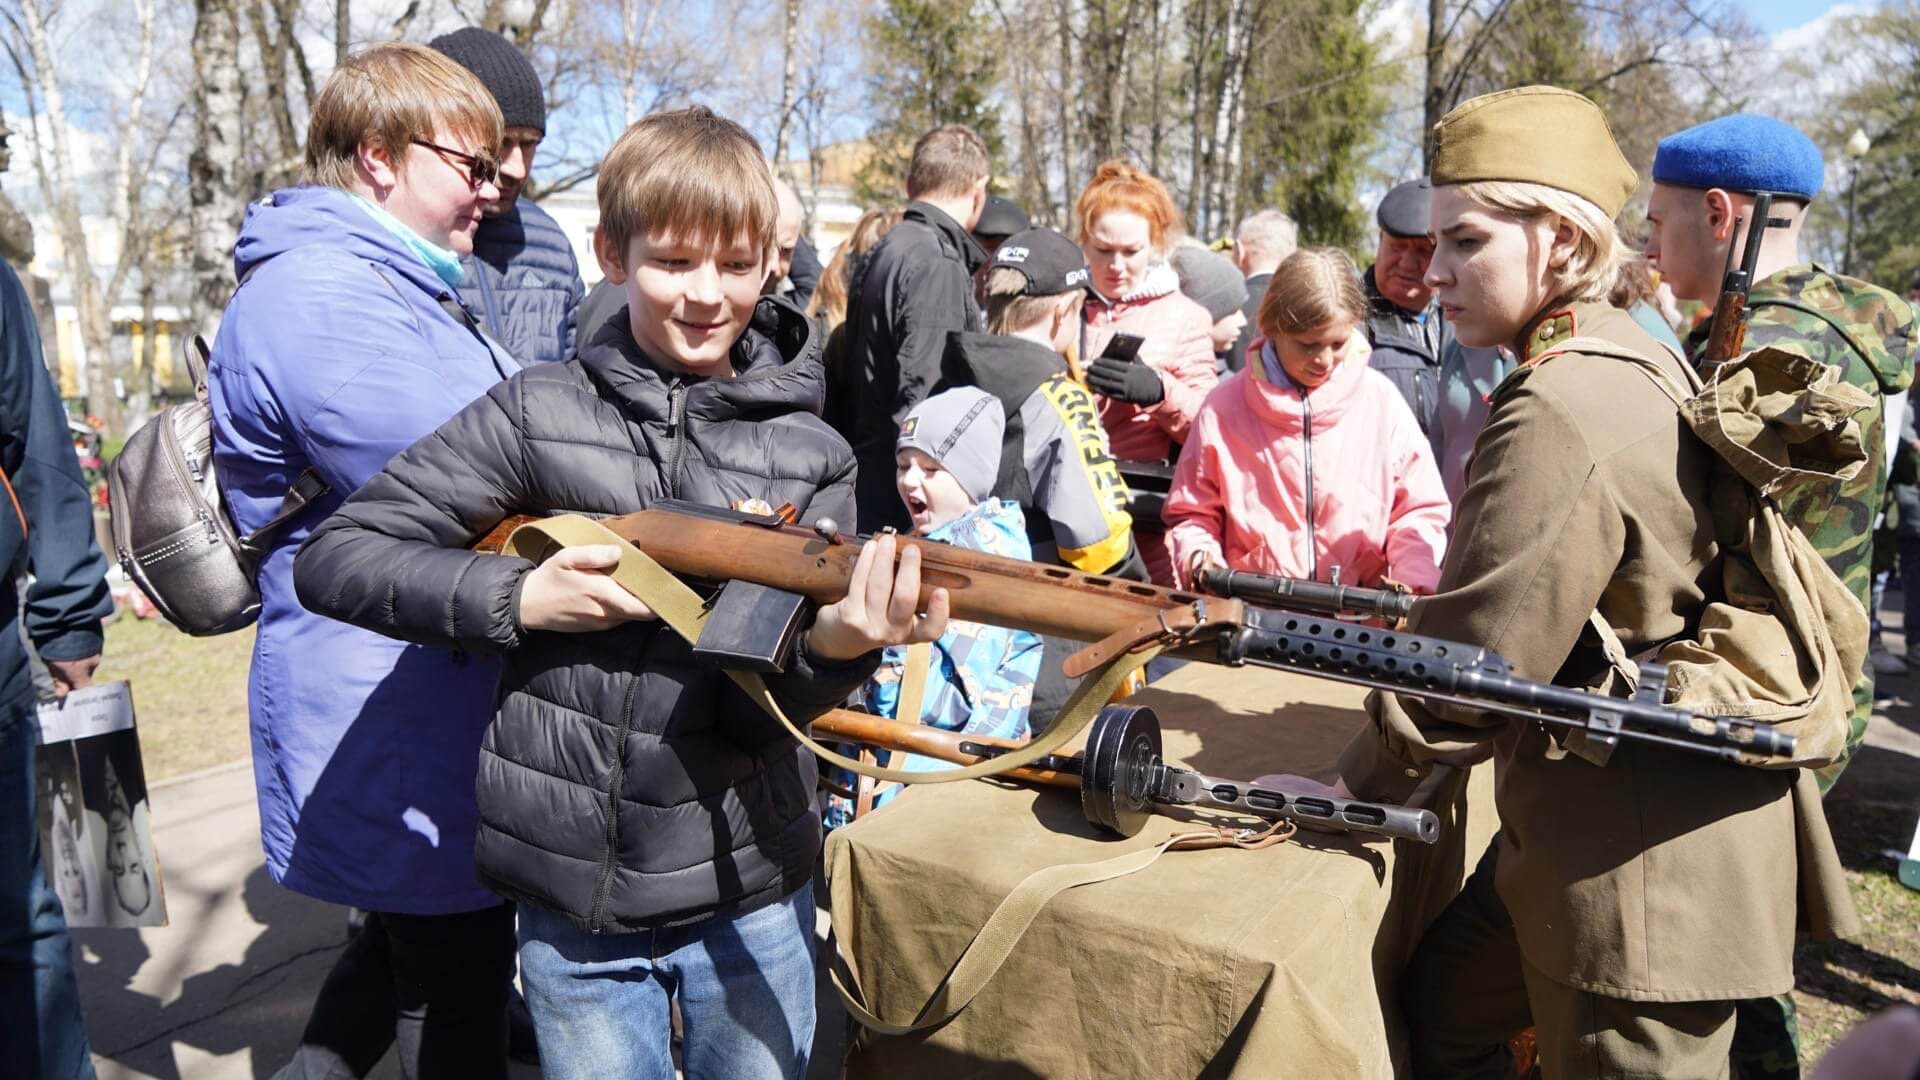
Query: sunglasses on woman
<point x="481" y="170"/>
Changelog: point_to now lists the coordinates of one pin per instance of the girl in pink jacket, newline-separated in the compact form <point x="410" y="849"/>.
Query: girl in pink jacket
<point x="1128" y="223"/>
<point x="1308" y="463"/>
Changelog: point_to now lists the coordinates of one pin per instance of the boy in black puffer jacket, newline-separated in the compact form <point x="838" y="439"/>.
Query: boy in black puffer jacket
<point x="656" y="827"/>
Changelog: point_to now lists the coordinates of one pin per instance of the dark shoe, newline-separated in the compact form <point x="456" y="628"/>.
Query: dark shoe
<point x="523" y="1045"/>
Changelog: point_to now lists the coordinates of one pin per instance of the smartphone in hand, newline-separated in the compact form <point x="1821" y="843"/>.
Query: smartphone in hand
<point x="1124" y="347"/>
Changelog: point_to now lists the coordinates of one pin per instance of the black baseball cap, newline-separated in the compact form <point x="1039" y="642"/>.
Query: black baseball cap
<point x="1051" y="263"/>
<point x="1001" y="217"/>
<point x="1403" y="212"/>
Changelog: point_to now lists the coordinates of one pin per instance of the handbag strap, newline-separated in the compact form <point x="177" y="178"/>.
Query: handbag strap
<point x="306" y="488"/>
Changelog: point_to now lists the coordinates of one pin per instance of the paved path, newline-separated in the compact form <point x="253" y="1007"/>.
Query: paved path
<point x="223" y="992"/>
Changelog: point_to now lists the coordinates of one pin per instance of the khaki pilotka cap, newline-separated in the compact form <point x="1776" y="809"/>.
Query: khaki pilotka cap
<point x="1537" y="135"/>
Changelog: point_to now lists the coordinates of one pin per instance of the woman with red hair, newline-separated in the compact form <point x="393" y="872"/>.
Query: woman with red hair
<point x="1127" y="224"/>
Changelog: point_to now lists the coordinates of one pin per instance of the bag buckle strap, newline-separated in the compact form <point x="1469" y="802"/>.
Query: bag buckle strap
<point x="1173" y="627"/>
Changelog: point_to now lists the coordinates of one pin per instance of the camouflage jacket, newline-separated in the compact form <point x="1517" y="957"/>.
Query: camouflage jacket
<point x="1868" y="333"/>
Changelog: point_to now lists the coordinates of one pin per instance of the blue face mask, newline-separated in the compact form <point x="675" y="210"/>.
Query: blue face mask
<point x="445" y="264"/>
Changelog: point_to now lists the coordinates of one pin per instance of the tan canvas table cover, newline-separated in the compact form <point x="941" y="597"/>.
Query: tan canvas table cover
<point x="1274" y="963"/>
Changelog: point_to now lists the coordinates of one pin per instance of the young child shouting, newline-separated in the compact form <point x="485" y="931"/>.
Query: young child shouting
<point x="1308" y="463"/>
<point x="978" y="679"/>
<point x="657" y="829"/>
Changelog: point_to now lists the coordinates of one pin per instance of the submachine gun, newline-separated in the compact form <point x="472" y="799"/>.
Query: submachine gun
<point x="1122" y="776"/>
<point x="784" y="566"/>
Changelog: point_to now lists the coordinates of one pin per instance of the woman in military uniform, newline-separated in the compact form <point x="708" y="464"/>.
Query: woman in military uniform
<point x="1633" y="895"/>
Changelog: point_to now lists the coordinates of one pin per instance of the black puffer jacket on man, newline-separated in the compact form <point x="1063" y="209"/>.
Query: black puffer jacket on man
<point x="916" y="288"/>
<point x="621" y="784"/>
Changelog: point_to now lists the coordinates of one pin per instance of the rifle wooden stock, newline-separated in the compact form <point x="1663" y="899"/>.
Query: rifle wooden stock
<point x="1728" y="337"/>
<point x="719" y="545"/>
<point x="881" y="733"/>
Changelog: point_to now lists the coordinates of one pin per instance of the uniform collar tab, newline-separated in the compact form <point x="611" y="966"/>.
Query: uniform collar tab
<point x="1550" y="330"/>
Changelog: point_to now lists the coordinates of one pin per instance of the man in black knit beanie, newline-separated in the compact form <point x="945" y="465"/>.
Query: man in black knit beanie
<point x="522" y="280"/>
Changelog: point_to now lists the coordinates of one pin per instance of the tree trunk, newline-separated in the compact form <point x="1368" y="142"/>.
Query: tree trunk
<point x="273" y="65"/>
<point x="790" y="43"/>
<point x="285" y="13"/>
<point x="342" y="29"/>
<point x="632" y="40"/>
<point x="1069" y="172"/>
<point x="1198" y="17"/>
<point x="96" y="327"/>
<point x="215" y="200"/>
<point x="1154" y="107"/>
<point x="1435" y="94"/>
<point x="150" y="341"/>
<point x="1234" y="103"/>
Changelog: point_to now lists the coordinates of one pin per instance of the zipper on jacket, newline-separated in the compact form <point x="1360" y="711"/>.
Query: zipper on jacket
<point x="605" y="888"/>
<point x="1313" y="550"/>
<point x="486" y="300"/>
<point x="676" y="433"/>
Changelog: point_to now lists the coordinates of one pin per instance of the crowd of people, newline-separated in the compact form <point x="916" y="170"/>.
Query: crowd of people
<point x="493" y="760"/>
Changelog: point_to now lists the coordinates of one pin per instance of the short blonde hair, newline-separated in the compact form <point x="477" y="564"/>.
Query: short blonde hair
<point x="947" y="162"/>
<point x="1311" y="288"/>
<point x="691" y="175"/>
<point x="391" y="94"/>
<point x="1596" y="261"/>
<point x="1008" y="309"/>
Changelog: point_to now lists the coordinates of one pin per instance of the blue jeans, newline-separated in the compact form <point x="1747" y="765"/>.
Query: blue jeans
<point x="601" y="1002"/>
<point x="41" y="1034"/>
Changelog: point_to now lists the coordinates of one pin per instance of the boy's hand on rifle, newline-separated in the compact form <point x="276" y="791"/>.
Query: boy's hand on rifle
<point x="880" y="606"/>
<point x="572" y="593"/>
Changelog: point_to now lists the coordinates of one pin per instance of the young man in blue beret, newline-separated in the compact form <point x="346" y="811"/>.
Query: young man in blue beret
<point x="1705" y="179"/>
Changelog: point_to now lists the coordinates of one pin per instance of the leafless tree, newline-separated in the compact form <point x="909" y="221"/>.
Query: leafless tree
<point x="215" y="191"/>
<point x="62" y="183"/>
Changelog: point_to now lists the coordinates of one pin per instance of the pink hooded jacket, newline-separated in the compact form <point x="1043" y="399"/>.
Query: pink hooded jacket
<point x="1179" y="345"/>
<point x="1378" y="509"/>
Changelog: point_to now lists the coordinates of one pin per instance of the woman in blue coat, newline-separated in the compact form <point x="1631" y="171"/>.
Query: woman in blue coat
<point x="343" y="345"/>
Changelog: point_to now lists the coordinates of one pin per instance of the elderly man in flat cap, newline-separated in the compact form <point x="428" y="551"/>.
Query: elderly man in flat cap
<point x="1634" y="892"/>
<point x="1705" y="179"/>
<point x="1406" y="328"/>
<point x="1445" y="383"/>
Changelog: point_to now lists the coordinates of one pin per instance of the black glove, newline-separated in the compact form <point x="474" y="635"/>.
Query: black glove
<point x="1126" y="380"/>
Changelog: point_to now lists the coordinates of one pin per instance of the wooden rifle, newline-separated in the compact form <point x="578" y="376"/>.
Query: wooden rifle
<point x="1118" y="616"/>
<point x="1726" y="339"/>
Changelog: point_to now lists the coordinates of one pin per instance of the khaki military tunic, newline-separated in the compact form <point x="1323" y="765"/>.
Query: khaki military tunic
<point x="1663" y="875"/>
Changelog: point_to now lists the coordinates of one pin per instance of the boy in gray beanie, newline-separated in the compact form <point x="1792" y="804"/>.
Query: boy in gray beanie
<point x="979" y="678"/>
<point x="949" y="457"/>
<point x="1214" y="282"/>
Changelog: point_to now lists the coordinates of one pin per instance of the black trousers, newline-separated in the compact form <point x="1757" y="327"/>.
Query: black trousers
<point x="436" y="985"/>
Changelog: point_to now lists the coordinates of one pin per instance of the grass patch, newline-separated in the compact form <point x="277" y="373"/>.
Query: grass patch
<point x="1871" y="810"/>
<point x="189" y="693"/>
